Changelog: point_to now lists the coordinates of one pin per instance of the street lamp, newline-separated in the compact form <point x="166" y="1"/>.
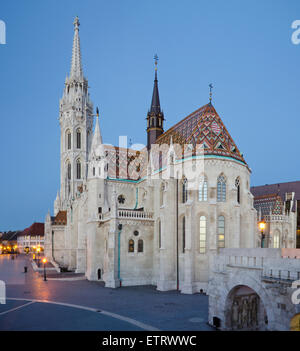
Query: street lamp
<point x="262" y="227"/>
<point x="38" y="251"/>
<point x="44" y="262"/>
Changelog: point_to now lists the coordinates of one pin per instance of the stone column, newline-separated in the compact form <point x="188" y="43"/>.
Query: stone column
<point x="111" y="276"/>
<point x="189" y="262"/>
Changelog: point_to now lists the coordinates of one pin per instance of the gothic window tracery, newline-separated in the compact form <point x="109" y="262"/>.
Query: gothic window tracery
<point x="78" y="139"/>
<point x="221" y="189"/>
<point x="203" y="189"/>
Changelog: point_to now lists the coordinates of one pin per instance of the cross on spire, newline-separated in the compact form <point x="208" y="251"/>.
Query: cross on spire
<point x="156" y="60"/>
<point x="210" y="92"/>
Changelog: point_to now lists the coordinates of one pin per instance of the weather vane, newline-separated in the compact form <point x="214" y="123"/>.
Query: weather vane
<point x="155" y="60"/>
<point x="210" y="92"/>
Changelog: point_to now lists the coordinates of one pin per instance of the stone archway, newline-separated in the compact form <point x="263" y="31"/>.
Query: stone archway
<point x="244" y="310"/>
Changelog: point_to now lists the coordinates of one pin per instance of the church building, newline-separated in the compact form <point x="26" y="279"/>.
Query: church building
<point x="154" y="216"/>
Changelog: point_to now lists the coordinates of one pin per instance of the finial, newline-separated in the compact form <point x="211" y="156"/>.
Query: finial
<point x="97" y="112"/>
<point x="155" y="60"/>
<point x="210" y="92"/>
<point x="76" y="23"/>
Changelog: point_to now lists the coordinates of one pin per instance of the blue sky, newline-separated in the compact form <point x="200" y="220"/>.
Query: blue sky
<point x="243" y="47"/>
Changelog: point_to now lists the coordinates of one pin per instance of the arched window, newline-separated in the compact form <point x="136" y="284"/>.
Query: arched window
<point x="183" y="234"/>
<point x="140" y="245"/>
<point x="159" y="234"/>
<point x="68" y="140"/>
<point x="221" y="232"/>
<point x="276" y="240"/>
<point x="131" y="245"/>
<point x="184" y="190"/>
<point x="238" y="191"/>
<point x="69" y="170"/>
<point x="221" y="189"/>
<point x="202" y="235"/>
<point x="78" y="169"/>
<point x="161" y="195"/>
<point x="78" y="139"/>
<point x="203" y="189"/>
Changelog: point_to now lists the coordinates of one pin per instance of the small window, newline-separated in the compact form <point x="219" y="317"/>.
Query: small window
<point x="202" y="236"/>
<point x="183" y="234"/>
<point x="237" y="185"/>
<point x="69" y="140"/>
<point x="135" y="233"/>
<point x="159" y="234"/>
<point x="221" y="232"/>
<point x="78" y="169"/>
<point x="140" y="245"/>
<point x="184" y="190"/>
<point x="131" y="245"/>
<point x="276" y="240"/>
<point x="94" y="171"/>
<point x="69" y="170"/>
<point x="78" y="139"/>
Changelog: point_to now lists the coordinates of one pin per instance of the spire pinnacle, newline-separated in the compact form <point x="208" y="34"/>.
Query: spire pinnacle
<point x="76" y="66"/>
<point x="97" y="139"/>
<point x="210" y="92"/>
<point x="155" y="103"/>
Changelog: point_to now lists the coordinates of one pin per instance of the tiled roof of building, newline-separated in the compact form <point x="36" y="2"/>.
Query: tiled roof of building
<point x="60" y="218"/>
<point x="204" y="126"/>
<point x="278" y="189"/>
<point x="34" y="229"/>
<point x="10" y="236"/>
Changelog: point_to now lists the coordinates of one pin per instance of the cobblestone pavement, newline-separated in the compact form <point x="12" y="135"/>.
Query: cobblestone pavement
<point x="33" y="304"/>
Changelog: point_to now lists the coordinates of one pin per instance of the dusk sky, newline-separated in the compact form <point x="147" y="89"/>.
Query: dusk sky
<point x="243" y="47"/>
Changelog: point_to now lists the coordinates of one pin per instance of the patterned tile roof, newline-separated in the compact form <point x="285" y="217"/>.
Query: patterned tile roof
<point x="204" y="126"/>
<point x="280" y="189"/>
<point x="270" y="203"/>
<point x="60" y="218"/>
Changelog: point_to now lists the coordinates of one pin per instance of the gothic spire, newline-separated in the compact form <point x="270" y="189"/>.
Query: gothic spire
<point x="155" y="104"/>
<point x="97" y="138"/>
<point x="76" y="66"/>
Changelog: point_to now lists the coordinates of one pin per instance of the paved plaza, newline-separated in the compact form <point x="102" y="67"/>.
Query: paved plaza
<point x="33" y="304"/>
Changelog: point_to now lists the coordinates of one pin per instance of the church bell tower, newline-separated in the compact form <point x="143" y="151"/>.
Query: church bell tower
<point x="155" y="117"/>
<point x="76" y="124"/>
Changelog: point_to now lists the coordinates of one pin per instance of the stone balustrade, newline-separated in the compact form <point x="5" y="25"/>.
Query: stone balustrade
<point x="128" y="214"/>
<point x="131" y="214"/>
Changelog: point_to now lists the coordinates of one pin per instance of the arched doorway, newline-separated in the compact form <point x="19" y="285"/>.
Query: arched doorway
<point x="244" y="310"/>
<point x="99" y="273"/>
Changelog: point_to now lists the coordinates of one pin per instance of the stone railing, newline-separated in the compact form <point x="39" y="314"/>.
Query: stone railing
<point x="131" y="214"/>
<point x="280" y="274"/>
<point x="128" y="214"/>
<point x="245" y="261"/>
<point x="276" y="218"/>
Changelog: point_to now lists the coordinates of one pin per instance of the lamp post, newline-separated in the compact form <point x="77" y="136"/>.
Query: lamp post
<point x="38" y="251"/>
<point x="262" y="227"/>
<point x="44" y="262"/>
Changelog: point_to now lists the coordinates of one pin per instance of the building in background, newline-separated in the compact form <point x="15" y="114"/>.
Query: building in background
<point x="279" y="206"/>
<point x="31" y="238"/>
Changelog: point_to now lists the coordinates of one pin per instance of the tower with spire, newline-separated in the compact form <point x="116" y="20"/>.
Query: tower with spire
<point x="76" y="124"/>
<point x="155" y="116"/>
